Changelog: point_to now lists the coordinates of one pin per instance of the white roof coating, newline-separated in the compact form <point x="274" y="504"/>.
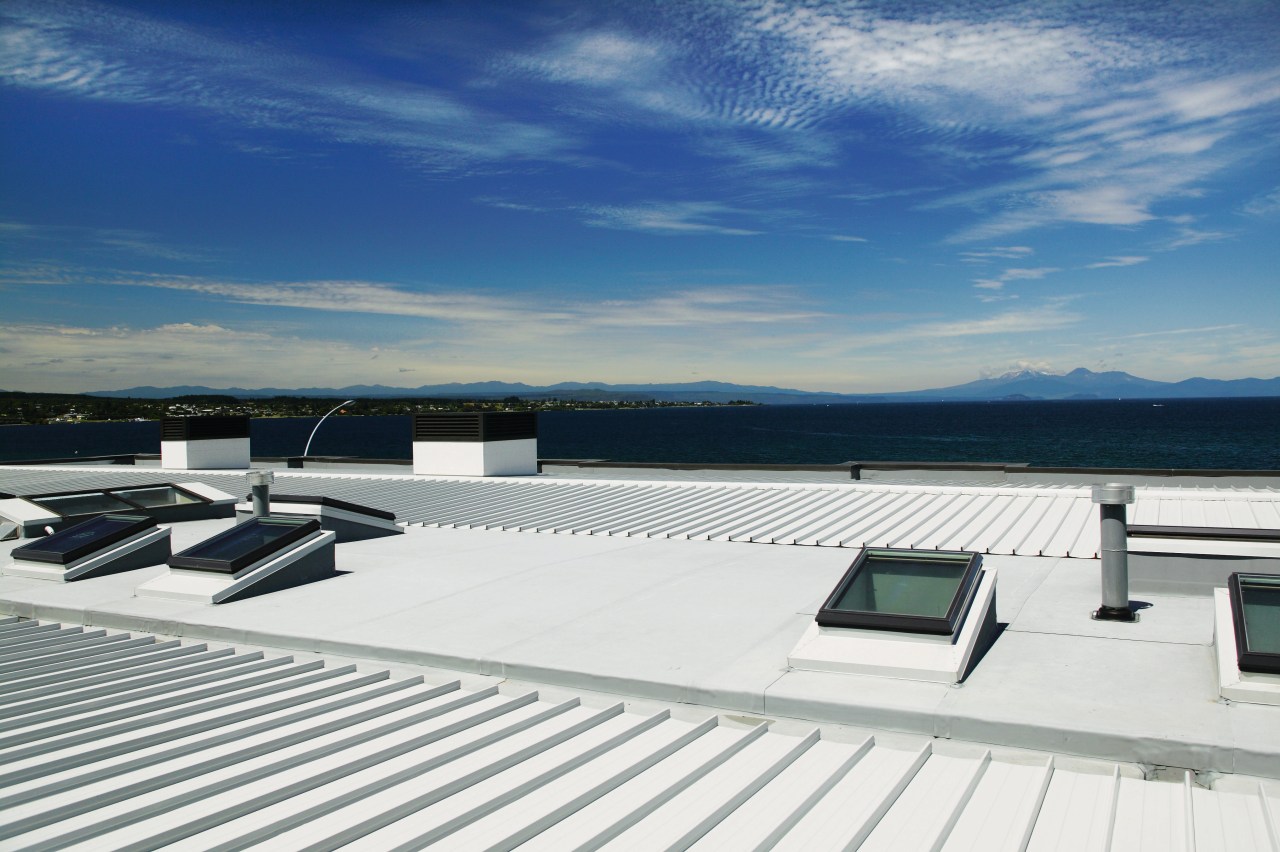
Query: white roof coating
<point x="1049" y="521"/>
<point x="120" y="741"/>
<point x="625" y="687"/>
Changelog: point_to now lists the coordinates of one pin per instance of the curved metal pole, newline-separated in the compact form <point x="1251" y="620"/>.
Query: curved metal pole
<point x="306" y="451"/>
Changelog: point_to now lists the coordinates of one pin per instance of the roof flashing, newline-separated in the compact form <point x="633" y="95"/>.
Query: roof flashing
<point x="1234" y="682"/>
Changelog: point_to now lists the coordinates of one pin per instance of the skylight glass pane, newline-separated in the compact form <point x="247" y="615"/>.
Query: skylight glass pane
<point x="76" y="542"/>
<point x="904" y="585"/>
<point x="244" y="538"/>
<point x="244" y="544"/>
<point x="83" y="504"/>
<point x="159" y="495"/>
<point x="1260" y="605"/>
<point x="911" y="591"/>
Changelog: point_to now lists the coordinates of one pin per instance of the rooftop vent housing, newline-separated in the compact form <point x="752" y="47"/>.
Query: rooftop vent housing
<point x="479" y="443"/>
<point x="205" y="443"/>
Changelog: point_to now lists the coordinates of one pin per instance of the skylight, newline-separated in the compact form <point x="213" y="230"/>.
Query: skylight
<point x="162" y="501"/>
<point x="153" y="496"/>
<point x="75" y="543"/>
<point x="83" y="503"/>
<point x="244" y="545"/>
<point x="1255" y="612"/>
<point x="903" y="590"/>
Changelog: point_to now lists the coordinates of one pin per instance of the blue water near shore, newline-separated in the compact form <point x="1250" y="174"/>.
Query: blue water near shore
<point x="1214" y="433"/>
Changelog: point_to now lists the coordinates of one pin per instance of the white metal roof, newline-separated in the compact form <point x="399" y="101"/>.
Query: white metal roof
<point x="114" y="740"/>
<point x="1033" y="521"/>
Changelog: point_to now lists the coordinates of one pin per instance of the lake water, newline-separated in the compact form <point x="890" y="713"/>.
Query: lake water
<point x="1217" y="433"/>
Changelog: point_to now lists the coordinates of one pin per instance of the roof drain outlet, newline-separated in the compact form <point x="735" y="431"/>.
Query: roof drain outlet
<point x="1111" y="499"/>
<point x="260" y="486"/>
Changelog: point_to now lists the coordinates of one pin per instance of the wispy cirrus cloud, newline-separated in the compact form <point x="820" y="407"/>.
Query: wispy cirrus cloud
<point x="690" y="307"/>
<point x="682" y="217"/>
<point x="1100" y="117"/>
<point x="737" y="305"/>
<point x="997" y="253"/>
<point x="1106" y="116"/>
<point x="1124" y="260"/>
<point x="56" y="357"/>
<point x="1267" y="204"/>
<point x="1021" y="323"/>
<point x="100" y="241"/>
<point x="1189" y="236"/>
<point x="991" y="288"/>
<point x="106" y="53"/>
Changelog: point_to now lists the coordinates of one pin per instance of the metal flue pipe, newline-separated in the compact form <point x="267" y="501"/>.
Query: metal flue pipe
<point x="1112" y="499"/>
<point x="260" y="488"/>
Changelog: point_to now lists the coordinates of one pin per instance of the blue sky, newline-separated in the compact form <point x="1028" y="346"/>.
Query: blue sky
<point x="832" y="196"/>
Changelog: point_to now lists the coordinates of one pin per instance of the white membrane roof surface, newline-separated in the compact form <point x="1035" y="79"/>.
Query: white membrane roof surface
<point x="657" y="650"/>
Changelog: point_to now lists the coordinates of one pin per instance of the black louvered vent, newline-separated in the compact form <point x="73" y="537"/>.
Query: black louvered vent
<point x="476" y="426"/>
<point x="204" y="428"/>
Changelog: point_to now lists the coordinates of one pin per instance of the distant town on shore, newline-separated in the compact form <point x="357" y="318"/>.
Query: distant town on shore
<point x="152" y="403"/>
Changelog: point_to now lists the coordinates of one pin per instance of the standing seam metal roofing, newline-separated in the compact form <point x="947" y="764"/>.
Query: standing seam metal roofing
<point x="1051" y="521"/>
<point x="120" y="741"/>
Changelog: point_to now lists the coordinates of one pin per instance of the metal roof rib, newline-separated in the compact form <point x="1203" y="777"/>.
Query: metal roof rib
<point x="362" y="760"/>
<point x="1031" y="518"/>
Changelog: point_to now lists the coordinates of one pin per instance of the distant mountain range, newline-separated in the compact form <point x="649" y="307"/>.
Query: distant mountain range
<point x="1020" y="384"/>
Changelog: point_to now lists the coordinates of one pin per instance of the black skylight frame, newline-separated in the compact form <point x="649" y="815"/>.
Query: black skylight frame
<point x="73" y="543"/>
<point x="114" y="493"/>
<point x="830" y="615"/>
<point x="333" y="503"/>
<point x="298" y="529"/>
<point x="1249" y="658"/>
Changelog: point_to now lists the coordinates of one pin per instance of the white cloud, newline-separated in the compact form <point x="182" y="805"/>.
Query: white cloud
<point x="50" y="357"/>
<point x="690" y="307"/>
<point x="598" y="58"/>
<point x="997" y="253"/>
<point x="1020" y="274"/>
<point x="992" y="288"/>
<point x="1188" y="236"/>
<point x="111" y="54"/>
<point x="1124" y="260"/>
<point x="1264" y="205"/>
<point x="707" y="306"/>
<point x="687" y="217"/>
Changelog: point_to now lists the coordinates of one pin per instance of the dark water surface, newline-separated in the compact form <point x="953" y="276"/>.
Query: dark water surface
<point x="1213" y="433"/>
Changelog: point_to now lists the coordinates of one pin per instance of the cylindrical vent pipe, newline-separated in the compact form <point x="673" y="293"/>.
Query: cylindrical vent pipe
<point x="260" y="487"/>
<point x="1111" y="499"/>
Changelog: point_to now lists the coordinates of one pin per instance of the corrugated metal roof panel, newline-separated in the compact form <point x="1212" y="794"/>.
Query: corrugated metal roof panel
<point x="1036" y="520"/>
<point x="338" y="757"/>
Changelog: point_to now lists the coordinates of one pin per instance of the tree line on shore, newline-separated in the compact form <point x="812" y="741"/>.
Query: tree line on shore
<point x="19" y="408"/>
